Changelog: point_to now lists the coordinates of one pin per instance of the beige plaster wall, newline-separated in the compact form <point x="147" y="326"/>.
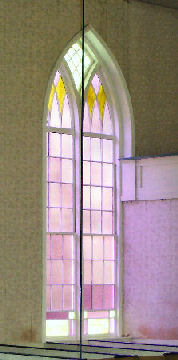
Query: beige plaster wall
<point x="34" y="33"/>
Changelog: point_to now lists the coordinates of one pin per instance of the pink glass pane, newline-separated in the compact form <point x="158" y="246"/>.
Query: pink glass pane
<point x="96" y="222"/>
<point x="87" y="272"/>
<point x="86" y="221"/>
<point x="108" y="248"/>
<point x="57" y="271"/>
<point x="67" y="146"/>
<point x="47" y="225"/>
<point x="107" y="151"/>
<point x="87" y="247"/>
<point x="112" y="326"/>
<point x="85" y="327"/>
<point x="48" y="245"/>
<point x="95" y="197"/>
<point x="95" y="122"/>
<point x="109" y="296"/>
<point x="54" y="144"/>
<point x="98" y="314"/>
<point x="109" y="272"/>
<point x="55" y="117"/>
<point x="97" y="247"/>
<point x="56" y="315"/>
<point x="57" y="78"/>
<point x="107" y="124"/>
<point x="95" y="173"/>
<point x="68" y="247"/>
<point x="48" y="271"/>
<point x="87" y="297"/>
<point x="67" y="195"/>
<point x="97" y="297"/>
<point x="72" y="327"/>
<point x="68" y="272"/>
<point x="86" y="126"/>
<point x="107" y="199"/>
<point x="107" y="222"/>
<point x="86" y="197"/>
<point x="96" y="83"/>
<point x="54" y="195"/>
<point x="54" y="169"/>
<point x="86" y="148"/>
<point x="56" y="297"/>
<point x="67" y="220"/>
<point x="56" y="242"/>
<point x="67" y="171"/>
<point x="95" y="149"/>
<point x="68" y="297"/>
<point x="48" y="297"/>
<point x="107" y="174"/>
<point x="86" y="172"/>
<point x="54" y="220"/>
<point x="97" y="272"/>
<point x="66" y="117"/>
<point x="47" y="197"/>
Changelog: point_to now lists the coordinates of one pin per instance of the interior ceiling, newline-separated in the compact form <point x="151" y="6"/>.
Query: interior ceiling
<point x="166" y="3"/>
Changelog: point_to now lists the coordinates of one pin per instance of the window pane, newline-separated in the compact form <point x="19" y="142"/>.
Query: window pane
<point x="87" y="247"/>
<point x="67" y="146"/>
<point x="96" y="173"/>
<point x="107" y="174"/>
<point x="98" y="326"/>
<point x="109" y="296"/>
<point x="107" y="124"/>
<point x="68" y="297"/>
<point x="86" y="126"/>
<point x="67" y="195"/>
<point x="109" y="247"/>
<point x="67" y="171"/>
<point x="48" y="297"/>
<point x="86" y="148"/>
<point x="107" y="199"/>
<point x="87" y="272"/>
<point x="96" y="124"/>
<point x="97" y="272"/>
<point x="56" y="244"/>
<point x="96" y="83"/>
<point x="86" y="172"/>
<point x="57" y="271"/>
<point x="68" y="247"/>
<point x="97" y="247"/>
<point x="107" y="222"/>
<point x="54" y="144"/>
<point x="54" y="195"/>
<point x="86" y="197"/>
<point x="68" y="272"/>
<point x="109" y="272"/>
<point x="55" y="117"/>
<point x="86" y="221"/>
<point x="96" y="222"/>
<point x="87" y="297"/>
<point x="66" y="117"/>
<point x="107" y="151"/>
<point x="54" y="169"/>
<point x="96" y="149"/>
<point x="54" y="220"/>
<point x="48" y="247"/>
<point x="95" y="197"/>
<point x="67" y="220"/>
<point x="48" y="271"/>
<point x="97" y="297"/>
<point x="56" y="297"/>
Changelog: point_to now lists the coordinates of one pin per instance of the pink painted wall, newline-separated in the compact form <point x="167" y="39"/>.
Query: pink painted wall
<point x="151" y="269"/>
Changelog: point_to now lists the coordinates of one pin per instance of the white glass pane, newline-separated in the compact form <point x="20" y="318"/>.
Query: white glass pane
<point x="57" y="328"/>
<point x="67" y="195"/>
<point x="54" y="144"/>
<point x="54" y="220"/>
<point x="95" y="122"/>
<point x="87" y="272"/>
<point x="86" y="221"/>
<point x="109" y="247"/>
<point x="54" y="169"/>
<point x="107" y="124"/>
<point x="87" y="247"/>
<point x="54" y="195"/>
<point x="95" y="173"/>
<point x="67" y="220"/>
<point x="109" y="272"/>
<point x="67" y="146"/>
<point x="86" y="197"/>
<point x="107" y="199"/>
<point x="97" y="272"/>
<point x="86" y="148"/>
<point x="97" y="247"/>
<point x="95" y="197"/>
<point x="107" y="150"/>
<point x="96" y="222"/>
<point x="96" y="149"/>
<point x="66" y="117"/>
<point x="55" y="117"/>
<point x="67" y="171"/>
<point x="107" y="174"/>
<point x="86" y="172"/>
<point x="107" y="222"/>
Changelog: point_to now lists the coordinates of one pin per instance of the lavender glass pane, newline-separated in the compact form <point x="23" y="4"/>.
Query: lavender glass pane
<point x="87" y="272"/>
<point x="48" y="245"/>
<point x="66" y="116"/>
<point x="107" y="199"/>
<point x="67" y="146"/>
<point x="67" y="171"/>
<point x="56" y="297"/>
<point x="68" y="247"/>
<point x="87" y="247"/>
<point x="109" y="247"/>
<point x="86" y="126"/>
<point x="56" y="244"/>
<point x="86" y="197"/>
<point x="57" y="78"/>
<point x="109" y="272"/>
<point x="97" y="297"/>
<point x="107" y="151"/>
<point x="96" y="173"/>
<point x="98" y="247"/>
<point x="54" y="220"/>
<point x="96" y="83"/>
<point x="54" y="195"/>
<point x="96" y="222"/>
<point x="68" y="297"/>
<point x="57" y="271"/>
<point x="55" y="116"/>
<point x="48" y="297"/>
<point x="95" y="197"/>
<point x="107" y="174"/>
<point x="107" y="123"/>
<point x="54" y="144"/>
<point x="97" y="272"/>
<point x="48" y="271"/>
<point x="68" y="272"/>
<point x="95" y="149"/>
<point x="86" y="148"/>
<point x="109" y="297"/>
<point x="86" y="172"/>
<point x="107" y="222"/>
<point x="67" y="220"/>
<point x="95" y="122"/>
<point x="67" y="195"/>
<point x="87" y="297"/>
<point x="54" y="169"/>
<point x="86" y="221"/>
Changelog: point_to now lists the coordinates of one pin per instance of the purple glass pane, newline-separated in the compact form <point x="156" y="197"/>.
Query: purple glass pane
<point x="68" y="247"/>
<point x="107" y="174"/>
<point x="48" y="272"/>
<point x="48" y="297"/>
<point x="57" y="271"/>
<point x="87" y="297"/>
<point x="95" y="122"/>
<point x="109" y="272"/>
<point x="95" y="149"/>
<point x="107" y="124"/>
<point x="48" y="245"/>
<point x="58" y="315"/>
<point x="86" y="148"/>
<point x="86" y="221"/>
<point x="54" y="220"/>
<point x="67" y="195"/>
<point x="86" y="197"/>
<point x="67" y="220"/>
<point x="86" y="172"/>
<point x="97" y="297"/>
<point x="54" y="169"/>
<point x="95" y="197"/>
<point x="109" y="247"/>
<point x="55" y="116"/>
<point x="107" y="199"/>
<point x="87" y="247"/>
<point x="54" y="195"/>
<point x="67" y="171"/>
<point x="86" y="126"/>
<point x="68" y="272"/>
<point x="68" y="297"/>
<point x="66" y="117"/>
<point x="56" y="297"/>
<point x="67" y="146"/>
<point x="96" y="83"/>
<point x="107" y="222"/>
<point x="87" y="272"/>
<point x="95" y="173"/>
<point x="107" y="151"/>
<point x="98" y="247"/>
<point x="56" y="242"/>
<point x="97" y="272"/>
<point x="109" y="296"/>
<point x="54" y="144"/>
<point x="96" y="222"/>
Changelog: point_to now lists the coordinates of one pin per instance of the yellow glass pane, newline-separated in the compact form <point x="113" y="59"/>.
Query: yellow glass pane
<point x="51" y="97"/>
<point x="61" y="92"/>
<point x="57" y="328"/>
<point x="91" y="99"/>
<point x="101" y="100"/>
<point x="98" y="326"/>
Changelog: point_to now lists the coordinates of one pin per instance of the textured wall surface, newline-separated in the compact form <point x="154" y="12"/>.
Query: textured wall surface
<point x="151" y="269"/>
<point x="35" y="32"/>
